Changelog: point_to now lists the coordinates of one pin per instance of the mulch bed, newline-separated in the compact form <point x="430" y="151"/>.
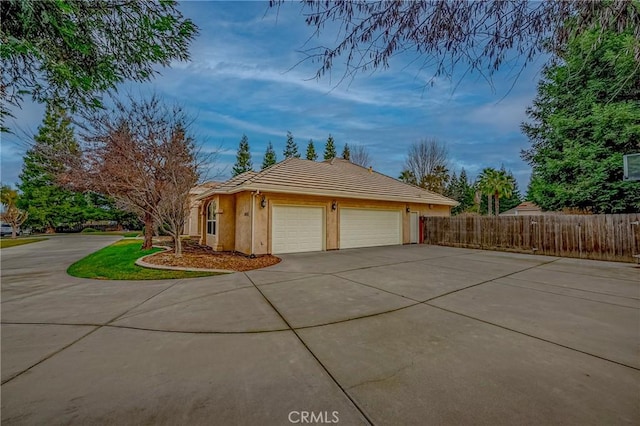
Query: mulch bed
<point x="195" y="255"/>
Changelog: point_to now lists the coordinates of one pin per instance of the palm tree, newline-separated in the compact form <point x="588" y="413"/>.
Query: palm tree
<point x="10" y="212"/>
<point x="407" y="176"/>
<point x="487" y="184"/>
<point x="503" y="187"/>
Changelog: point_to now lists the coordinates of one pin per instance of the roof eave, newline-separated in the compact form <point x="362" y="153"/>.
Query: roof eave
<point x="337" y="194"/>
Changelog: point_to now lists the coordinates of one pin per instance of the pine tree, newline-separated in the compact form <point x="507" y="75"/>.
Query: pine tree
<point x="346" y="153"/>
<point x="462" y="191"/>
<point x="330" y="149"/>
<point x="46" y="203"/>
<point x="583" y="120"/>
<point x="516" y="198"/>
<point x="452" y="186"/>
<point x="243" y="157"/>
<point x="269" y="157"/>
<point x="291" y="149"/>
<point x="311" y="151"/>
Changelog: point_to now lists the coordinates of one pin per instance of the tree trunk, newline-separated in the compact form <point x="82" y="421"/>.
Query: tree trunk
<point x="497" y="205"/>
<point x="148" y="232"/>
<point x="14" y="233"/>
<point x="489" y="205"/>
<point x="177" y="243"/>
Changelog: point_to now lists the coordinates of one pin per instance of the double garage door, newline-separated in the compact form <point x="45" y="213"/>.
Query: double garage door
<point x="298" y="229"/>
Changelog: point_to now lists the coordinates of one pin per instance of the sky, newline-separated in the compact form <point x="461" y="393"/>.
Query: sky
<point x="249" y="74"/>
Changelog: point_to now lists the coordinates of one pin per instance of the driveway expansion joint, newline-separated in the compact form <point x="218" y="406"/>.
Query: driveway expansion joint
<point x="487" y="281"/>
<point x="324" y="367"/>
<point x="84" y="336"/>
<point x="533" y="336"/>
<point x="573" y="297"/>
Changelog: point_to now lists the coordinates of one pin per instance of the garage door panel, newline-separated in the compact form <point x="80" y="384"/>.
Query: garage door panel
<point x="297" y="229"/>
<point x="369" y="228"/>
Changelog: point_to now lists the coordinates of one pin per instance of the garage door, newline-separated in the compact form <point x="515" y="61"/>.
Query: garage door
<point x="368" y="228"/>
<point x="297" y="229"/>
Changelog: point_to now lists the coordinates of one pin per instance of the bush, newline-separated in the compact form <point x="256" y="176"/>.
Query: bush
<point x="89" y="230"/>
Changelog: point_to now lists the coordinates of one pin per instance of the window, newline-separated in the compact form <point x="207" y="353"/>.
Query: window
<point x="211" y="218"/>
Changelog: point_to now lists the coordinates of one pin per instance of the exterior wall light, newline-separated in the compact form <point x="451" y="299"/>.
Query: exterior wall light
<point x="408" y="209"/>
<point x="263" y="202"/>
<point x="334" y="205"/>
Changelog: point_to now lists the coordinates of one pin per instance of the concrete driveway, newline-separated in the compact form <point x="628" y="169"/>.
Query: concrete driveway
<point x="386" y="336"/>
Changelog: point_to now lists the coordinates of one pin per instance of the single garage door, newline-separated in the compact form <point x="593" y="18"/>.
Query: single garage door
<point x="297" y="229"/>
<point x="368" y="228"/>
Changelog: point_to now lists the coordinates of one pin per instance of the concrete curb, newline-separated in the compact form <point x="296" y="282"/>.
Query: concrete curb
<point x="141" y="262"/>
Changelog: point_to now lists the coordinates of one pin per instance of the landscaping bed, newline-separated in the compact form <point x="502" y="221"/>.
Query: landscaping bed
<point x="195" y="255"/>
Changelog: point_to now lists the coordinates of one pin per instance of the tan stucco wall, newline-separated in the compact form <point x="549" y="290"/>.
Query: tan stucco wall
<point x="224" y="240"/>
<point x="262" y="243"/>
<point x="191" y="225"/>
<point x="236" y="234"/>
<point x="434" y="210"/>
<point x="243" y="222"/>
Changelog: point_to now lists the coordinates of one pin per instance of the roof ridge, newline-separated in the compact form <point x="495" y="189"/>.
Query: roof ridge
<point x="410" y="184"/>
<point x="341" y="177"/>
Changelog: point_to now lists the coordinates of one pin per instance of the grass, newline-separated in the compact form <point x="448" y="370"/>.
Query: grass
<point x="117" y="262"/>
<point x="4" y="243"/>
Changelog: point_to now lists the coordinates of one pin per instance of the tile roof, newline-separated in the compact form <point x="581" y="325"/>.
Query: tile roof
<point x="203" y="187"/>
<point x="332" y="178"/>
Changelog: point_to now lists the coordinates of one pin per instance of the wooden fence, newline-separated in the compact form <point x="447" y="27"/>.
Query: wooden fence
<point x="613" y="237"/>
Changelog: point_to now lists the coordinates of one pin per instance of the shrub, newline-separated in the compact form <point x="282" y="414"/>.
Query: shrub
<point x="89" y="230"/>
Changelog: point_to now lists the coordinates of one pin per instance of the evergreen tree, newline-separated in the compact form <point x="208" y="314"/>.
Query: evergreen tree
<point x="72" y="51"/>
<point x="461" y="190"/>
<point x="330" y="149"/>
<point x="452" y="186"/>
<point x="465" y="194"/>
<point x="346" y="153"/>
<point x="269" y="157"/>
<point x="311" y="151"/>
<point x="584" y="119"/>
<point x="515" y="199"/>
<point x="291" y="148"/>
<point x="48" y="205"/>
<point x="243" y="157"/>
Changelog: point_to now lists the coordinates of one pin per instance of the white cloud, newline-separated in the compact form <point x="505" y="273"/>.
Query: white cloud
<point x="504" y="116"/>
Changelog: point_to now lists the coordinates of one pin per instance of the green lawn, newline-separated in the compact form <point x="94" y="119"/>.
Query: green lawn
<point x="4" y="243"/>
<point x="117" y="262"/>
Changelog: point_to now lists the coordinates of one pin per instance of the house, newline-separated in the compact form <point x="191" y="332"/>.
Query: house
<point x="300" y="205"/>
<point x="527" y="208"/>
<point x="192" y="223"/>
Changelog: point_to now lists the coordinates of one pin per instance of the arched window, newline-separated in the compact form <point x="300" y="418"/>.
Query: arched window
<point x="211" y="218"/>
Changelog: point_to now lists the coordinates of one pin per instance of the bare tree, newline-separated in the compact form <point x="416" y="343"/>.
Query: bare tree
<point x="479" y="35"/>
<point x="425" y="158"/>
<point x="360" y="155"/>
<point x="181" y="171"/>
<point x="142" y="155"/>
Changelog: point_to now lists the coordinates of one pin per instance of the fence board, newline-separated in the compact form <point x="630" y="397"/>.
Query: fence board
<point x="614" y="237"/>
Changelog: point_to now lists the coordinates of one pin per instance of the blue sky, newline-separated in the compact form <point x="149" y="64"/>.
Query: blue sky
<point x="246" y="77"/>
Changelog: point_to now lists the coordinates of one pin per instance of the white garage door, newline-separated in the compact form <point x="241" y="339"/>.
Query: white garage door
<point x="297" y="229"/>
<point x="368" y="228"/>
